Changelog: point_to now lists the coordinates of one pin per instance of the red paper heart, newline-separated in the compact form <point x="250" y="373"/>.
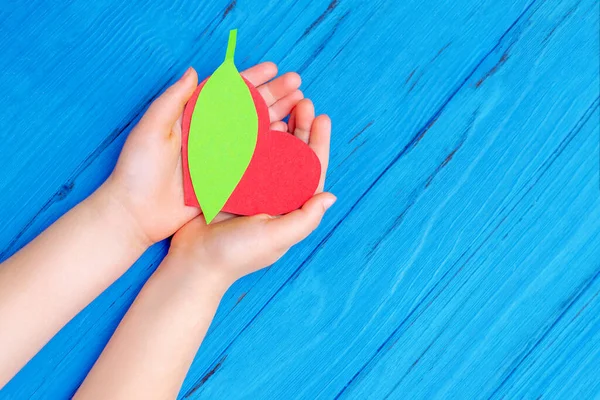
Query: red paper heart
<point x="282" y="175"/>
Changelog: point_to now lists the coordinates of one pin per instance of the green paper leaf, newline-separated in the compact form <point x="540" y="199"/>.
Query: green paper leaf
<point x="222" y="137"/>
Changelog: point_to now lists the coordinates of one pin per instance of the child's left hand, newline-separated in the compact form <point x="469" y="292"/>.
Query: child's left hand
<point x="233" y="246"/>
<point x="147" y="180"/>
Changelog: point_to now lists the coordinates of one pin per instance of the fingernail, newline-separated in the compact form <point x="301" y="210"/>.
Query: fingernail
<point x="329" y="202"/>
<point x="185" y="75"/>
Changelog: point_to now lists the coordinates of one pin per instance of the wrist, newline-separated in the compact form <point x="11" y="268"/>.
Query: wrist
<point x="197" y="271"/>
<point x="109" y="209"/>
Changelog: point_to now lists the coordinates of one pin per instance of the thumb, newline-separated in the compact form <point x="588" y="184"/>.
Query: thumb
<point x="166" y="110"/>
<point x="290" y="229"/>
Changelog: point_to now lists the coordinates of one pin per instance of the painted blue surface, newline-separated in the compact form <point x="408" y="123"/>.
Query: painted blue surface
<point x="462" y="259"/>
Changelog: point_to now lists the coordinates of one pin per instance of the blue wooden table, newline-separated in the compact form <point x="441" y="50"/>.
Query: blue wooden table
<point x="462" y="259"/>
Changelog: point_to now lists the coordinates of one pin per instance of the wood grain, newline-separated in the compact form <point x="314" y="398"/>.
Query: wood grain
<point x="462" y="258"/>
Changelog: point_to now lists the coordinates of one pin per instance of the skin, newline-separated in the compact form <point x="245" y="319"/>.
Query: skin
<point x="153" y="347"/>
<point x="55" y="276"/>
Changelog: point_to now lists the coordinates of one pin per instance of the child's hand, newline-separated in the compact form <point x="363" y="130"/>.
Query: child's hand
<point x="147" y="180"/>
<point x="231" y="246"/>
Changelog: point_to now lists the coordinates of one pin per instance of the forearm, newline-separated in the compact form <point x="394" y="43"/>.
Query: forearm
<point x="153" y="347"/>
<point x="55" y="276"/>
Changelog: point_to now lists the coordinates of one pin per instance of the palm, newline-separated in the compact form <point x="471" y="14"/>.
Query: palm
<point x="261" y="239"/>
<point x="148" y="177"/>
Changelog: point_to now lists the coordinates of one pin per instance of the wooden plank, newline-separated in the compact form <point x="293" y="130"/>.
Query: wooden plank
<point x="542" y="255"/>
<point x="91" y="170"/>
<point x="410" y="60"/>
<point x="565" y="361"/>
<point x="373" y="156"/>
<point x="474" y="180"/>
<point x="450" y="345"/>
<point x="60" y="360"/>
<point x="76" y="80"/>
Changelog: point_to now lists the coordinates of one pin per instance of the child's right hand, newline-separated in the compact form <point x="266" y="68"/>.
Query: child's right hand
<point x="146" y="185"/>
<point x="232" y="246"/>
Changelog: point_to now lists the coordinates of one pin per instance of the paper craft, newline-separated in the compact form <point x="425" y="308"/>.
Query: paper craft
<point x="222" y="135"/>
<point x="282" y="173"/>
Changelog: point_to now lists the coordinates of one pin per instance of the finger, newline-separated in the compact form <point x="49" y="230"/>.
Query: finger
<point x="292" y="121"/>
<point x="165" y="110"/>
<point x="289" y="229"/>
<point x="280" y="87"/>
<point x="260" y="73"/>
<point x="283" y="107"/>
<point x="222" y="216"/>
<point x="320" y="137"/>
<point x="176" y="129"/>
<point x="197" y="225"/>
<point x="279" y="126"/>
<point x="304" y="117"/>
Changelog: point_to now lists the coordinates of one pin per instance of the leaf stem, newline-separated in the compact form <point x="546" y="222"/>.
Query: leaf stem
<point x="231" y="45"/>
